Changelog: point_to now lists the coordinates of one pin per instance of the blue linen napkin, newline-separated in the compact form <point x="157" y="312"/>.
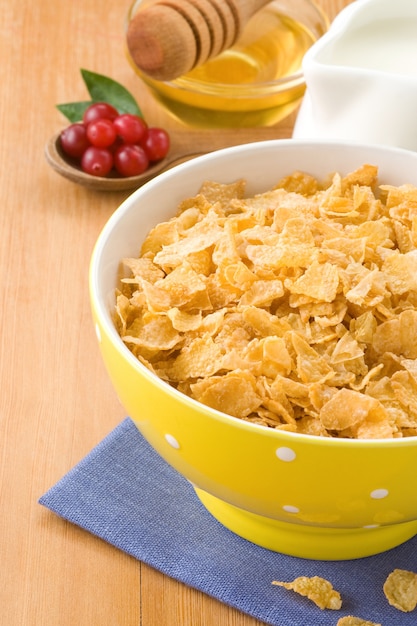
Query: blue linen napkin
<point x="126" y="494"/>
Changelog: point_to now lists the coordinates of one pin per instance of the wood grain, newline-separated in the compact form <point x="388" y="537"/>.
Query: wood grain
<point x="56" y="402"/>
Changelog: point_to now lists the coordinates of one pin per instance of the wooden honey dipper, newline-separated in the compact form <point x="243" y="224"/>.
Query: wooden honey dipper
<point x="168" y="38"/>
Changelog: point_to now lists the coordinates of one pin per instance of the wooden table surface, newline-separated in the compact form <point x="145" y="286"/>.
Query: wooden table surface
<point x="56" y="402"/>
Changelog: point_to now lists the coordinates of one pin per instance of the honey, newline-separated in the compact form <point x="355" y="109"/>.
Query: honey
<point x="271" y="47"/>
<point x="257" y="82"/>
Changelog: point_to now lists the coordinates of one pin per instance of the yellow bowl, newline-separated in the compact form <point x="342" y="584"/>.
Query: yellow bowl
<point x="307" y="496"/>
<point x="258" y="82"/>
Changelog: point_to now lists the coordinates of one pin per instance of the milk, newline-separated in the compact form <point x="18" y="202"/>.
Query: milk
<point x="382" y="45"/>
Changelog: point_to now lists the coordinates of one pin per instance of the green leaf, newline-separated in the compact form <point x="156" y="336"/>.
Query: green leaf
<point x="73" y="111"/>
<point x="104" y="89"/>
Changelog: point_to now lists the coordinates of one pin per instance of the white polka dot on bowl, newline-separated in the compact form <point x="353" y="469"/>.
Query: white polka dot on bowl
<point x="172" y="441"/>
<point x="289" y="508"/>
<point x="378" y="494"/>
<point x="285" y="454"/>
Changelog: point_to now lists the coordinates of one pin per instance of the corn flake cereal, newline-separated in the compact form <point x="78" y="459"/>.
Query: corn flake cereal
<point x="295" y="309"/>
<point x="350" y="620"/>
<point x="317" y="589"/>
<point x="400" y="589"/>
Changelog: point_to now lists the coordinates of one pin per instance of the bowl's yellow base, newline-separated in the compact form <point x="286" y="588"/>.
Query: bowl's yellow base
<point x="308" y="542"/>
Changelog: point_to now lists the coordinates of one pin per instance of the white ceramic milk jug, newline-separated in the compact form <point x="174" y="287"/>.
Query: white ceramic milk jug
<point x="361" y="76"/>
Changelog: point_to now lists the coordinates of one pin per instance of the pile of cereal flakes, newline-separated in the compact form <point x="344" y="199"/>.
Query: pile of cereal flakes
<point x="295" y="308"/>
<point x="400" y="589"/>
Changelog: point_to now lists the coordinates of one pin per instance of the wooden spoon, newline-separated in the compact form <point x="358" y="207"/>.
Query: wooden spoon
<point x="168" y="38"/>
<point x="184" y="146"/>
